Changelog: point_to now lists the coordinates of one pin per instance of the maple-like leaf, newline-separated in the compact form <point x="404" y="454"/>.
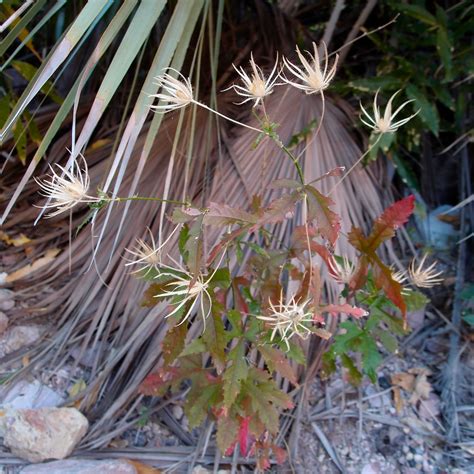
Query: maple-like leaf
<point x="235" y="373"/>
<point x="383" y="279"/>
<point x="327" y="221"/>
<point x="384" y="226"/>
<point x="279" y="209"/>
<point x="227" y="433"/>
<point x="173" y="343"/>
<point x="276" y="361"/>
<point x="300" y="238"/>
<point x="222" y="215"/>
<point x="215" y="339"/>
<point x="199" y="400"/>
<point x="157" y="383"/>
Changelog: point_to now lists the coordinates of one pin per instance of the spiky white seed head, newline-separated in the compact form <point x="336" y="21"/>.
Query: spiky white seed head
<point x="424" y="277"/>
<point x="385" y="123"/>
<point x="177" y="92"/>
<point x="255" y="86"/>
<point x="66" y="188"/>
<point x="289" y="319"/>
<point x="311" y="75"/>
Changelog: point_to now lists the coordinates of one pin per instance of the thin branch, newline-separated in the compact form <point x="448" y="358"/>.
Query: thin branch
<point x="364" y="14"/>
<point x="331" y="24"/>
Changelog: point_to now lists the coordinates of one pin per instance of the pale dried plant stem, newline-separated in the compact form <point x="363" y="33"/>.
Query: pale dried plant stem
<point x="316" y="133"/>
<point x="226" y="117"/>
<point x="355" y="164"/>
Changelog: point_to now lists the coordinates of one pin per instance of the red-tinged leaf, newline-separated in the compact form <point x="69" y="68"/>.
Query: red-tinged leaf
<point x="357" y="239"/>
<point x="384" y="280"/>
<point x="227" y="433"/>
<point x="346" y="308"/>
<point x="301" y="236"/>
<point x="280" y="209"/>
<point x="235" y="373"/>
<point x="226" y="240"/>
<point x="384" y="226"/>
<point x="157" y="383"/>
<point x="150" y="296"/>
<point x="244" y="435"/>
<point x="280" y="454"/>
<point x="173" y="343"/>
<point x="277" y="362"/>
<point x="222" y="215"/>
<point x="240" y="303"/>
<point x="360" y="276"/>
<point x="327" y="221"/>
<point x="390" y="220"/>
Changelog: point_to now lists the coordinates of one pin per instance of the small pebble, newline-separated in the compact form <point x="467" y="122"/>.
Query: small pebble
<point x="406" y="430"/>
<point x="177" y="412"/>
<point x="418" y="458"/>
<point x="409" y="456"/>
<point x="321" y="458"/>
<point x="406" y="449"/>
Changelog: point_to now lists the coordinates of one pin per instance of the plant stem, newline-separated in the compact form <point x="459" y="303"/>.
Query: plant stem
<point x="355" y="164"/>
<point x="294" y="160"/>
<point x="274" y="136"/>
<point x="140" y="198"/>
<point x="225" y="117"/>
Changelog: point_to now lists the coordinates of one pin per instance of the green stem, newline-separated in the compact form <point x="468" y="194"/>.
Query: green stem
<point x="140" y="198"/>
<point x="295" y="162"/>
<point x="274" y="136"/>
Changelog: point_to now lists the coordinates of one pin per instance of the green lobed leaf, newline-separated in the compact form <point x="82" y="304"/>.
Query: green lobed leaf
<point x="220" y="278"/>
<point x="227" y="432"/>
<point x="355" y="377"/>
<point x="199" y="400"/>
<point x="19" y="135"/>
<point x="214" y="337"/>
<point x="371" y="357"/>
<point x="235" y="373"/>
<point x="196" y="346"/>
<point x="235" y="318"/>
<point x="388" y="341"/>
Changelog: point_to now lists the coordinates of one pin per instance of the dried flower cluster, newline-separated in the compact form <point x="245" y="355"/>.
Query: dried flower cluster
<point x="289" y="319"/>
<point x="67" y="188"/>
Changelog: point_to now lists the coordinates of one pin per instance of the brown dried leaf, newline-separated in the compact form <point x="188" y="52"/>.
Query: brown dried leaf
<point x="421" y="389"/>
<point x="404" y="380"/>
<point x="397" y="399"/>
<point x="23" y="272"/>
